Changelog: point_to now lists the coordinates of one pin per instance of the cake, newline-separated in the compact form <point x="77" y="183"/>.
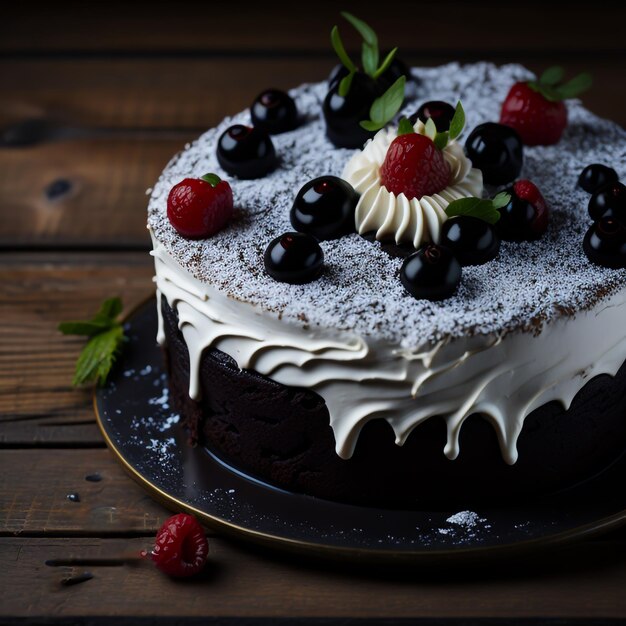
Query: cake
<point x="348" y="387"/>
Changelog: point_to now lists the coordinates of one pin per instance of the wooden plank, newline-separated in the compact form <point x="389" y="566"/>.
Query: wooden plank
<point x="108" y="171"/>
<point x="105" y="205"/>
<point x="244" y="27"/>
<point x="73" y="96"/>
<point x="243" y="586"/>
<point x="38" y="406"/>
<point x="36" y="501"/>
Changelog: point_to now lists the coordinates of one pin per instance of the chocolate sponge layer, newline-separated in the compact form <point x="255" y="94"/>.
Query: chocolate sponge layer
<point x="282" y="435"/>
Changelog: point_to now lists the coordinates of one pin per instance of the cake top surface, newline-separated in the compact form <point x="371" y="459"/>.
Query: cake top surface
<point x="529" y="284"/>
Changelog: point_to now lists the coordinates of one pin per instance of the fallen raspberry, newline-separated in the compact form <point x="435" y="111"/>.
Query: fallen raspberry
<point x="181" y="547"/>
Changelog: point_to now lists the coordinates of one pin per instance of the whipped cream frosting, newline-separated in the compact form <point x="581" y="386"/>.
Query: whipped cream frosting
<point x="392" y="216"/>
<point x="361" y="378"/>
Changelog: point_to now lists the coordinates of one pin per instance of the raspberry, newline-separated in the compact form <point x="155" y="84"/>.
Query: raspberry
<point x="200" y="207"/>
<point x="527" y="190"/>
<point x="415" y="167"/>
<point x="181" y="547"/>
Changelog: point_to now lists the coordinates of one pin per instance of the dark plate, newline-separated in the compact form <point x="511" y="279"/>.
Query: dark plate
<point x="142" y="430"/>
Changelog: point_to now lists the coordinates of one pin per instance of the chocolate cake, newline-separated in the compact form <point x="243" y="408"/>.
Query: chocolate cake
<point x="349" y="388"/>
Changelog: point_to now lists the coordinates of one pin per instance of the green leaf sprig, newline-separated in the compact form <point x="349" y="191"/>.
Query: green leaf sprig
<point x="385" y="107"/>
<point x="106" y="337"/>
<point x="483" y="209"/>
<point x="551" y="86"/>
<point x="457" y="124"/>
<point x="370" y="54"/>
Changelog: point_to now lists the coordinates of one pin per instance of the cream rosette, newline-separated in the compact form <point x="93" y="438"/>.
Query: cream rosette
<point x="392" y="216"/>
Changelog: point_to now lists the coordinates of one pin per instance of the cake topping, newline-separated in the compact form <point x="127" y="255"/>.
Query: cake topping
<point x="294" y="258"/>
<point x="431" y="273"/>
<point x="361" y="101"/>
<point x="200" y="207"/>
<point x="246" y="152"/>
<point x="415" y="167"/>
<point x="595" y="176"/>
<point x="407" y="181"/>
<point x="472" y="240"/>
<point x="525" y="216"/>
<point x="181" y="547"/>
<point x="440" y="112"/>
<point x="497" y="151"/>
<point x="324" y="208"/>
<point x="539" y="281"/>
<point x="608" y="201"/>
<point x="605" y="243"/>
<point x="535" y="109"/>
<point x="274" y="111"/>
<point x="484" y="209"/>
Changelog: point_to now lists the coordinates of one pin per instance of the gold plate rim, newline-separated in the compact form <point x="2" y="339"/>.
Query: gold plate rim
<point x="332" y="552"/>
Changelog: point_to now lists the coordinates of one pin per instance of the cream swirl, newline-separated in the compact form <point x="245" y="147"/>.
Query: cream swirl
<point x="395" y="216"/>
<point x="361" y="378"/>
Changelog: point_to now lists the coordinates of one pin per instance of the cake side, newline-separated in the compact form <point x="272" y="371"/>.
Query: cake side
<point x="282" y="435"/>
<point x="362" y="379"/>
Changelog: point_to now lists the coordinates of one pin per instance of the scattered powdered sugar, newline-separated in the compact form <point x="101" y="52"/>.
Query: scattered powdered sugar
<point x="529" y="284"/>
<point x="467" y="519"/>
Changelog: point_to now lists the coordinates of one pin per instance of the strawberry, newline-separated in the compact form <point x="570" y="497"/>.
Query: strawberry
<point x="414" y="163"/>
<point x="414" y="166"/>
<point x="535" y="109"/>
<point x="181" y="547"/>
<point x="200" y="207"/>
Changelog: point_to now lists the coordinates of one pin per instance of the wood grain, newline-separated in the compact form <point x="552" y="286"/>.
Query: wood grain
<point x="169" y="94"/>
<point x="35" y="502"/>
<point x="106" y="203"/>
<point x="586" y="582"/>
<point x="110" y="127"/>
<point x="38" y="406"/>
<point x="252" y="27"/>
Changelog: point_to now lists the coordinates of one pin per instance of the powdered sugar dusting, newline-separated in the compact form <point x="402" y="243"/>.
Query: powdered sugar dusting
<point x="527" y="285"/>
<point x="467" y="519"/>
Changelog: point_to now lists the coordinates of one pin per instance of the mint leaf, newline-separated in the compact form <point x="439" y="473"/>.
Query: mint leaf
<point x="110" y="309"/>
<point x="386" y="106"/>
<point x="405" y="127"/>
<point x="345" y="84"/>
<point x="501" y="199"/>
<point x="105" y="334"/>
<point x="366" y="31"/>
<point x="552" y="76"/>
<point x="474" y="207"/>
<point x="369" y="52"/>
<point x="213" y="179"/>
<point x="88" y="329"/>
<point x="552" y="91"/>
<point x="385" y="64"/>
<point x="430" y="129"/>
<point x="370" y="125"/>
<point x="441" y="140"/>
<point x="337" y="44"/>
<point x="575" y="87"/>
<point x="97" y="357"/>
<point x="369" y="58"/>
<point x="457" y="123"/>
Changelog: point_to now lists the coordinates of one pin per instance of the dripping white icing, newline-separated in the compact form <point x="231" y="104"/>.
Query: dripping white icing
<point x="361" y="378"/>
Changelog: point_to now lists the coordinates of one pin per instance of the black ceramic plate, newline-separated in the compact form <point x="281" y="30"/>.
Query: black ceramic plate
<point x="141" y="428"/>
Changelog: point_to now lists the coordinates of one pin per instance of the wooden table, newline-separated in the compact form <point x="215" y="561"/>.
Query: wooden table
<point x="95" y="99"/>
